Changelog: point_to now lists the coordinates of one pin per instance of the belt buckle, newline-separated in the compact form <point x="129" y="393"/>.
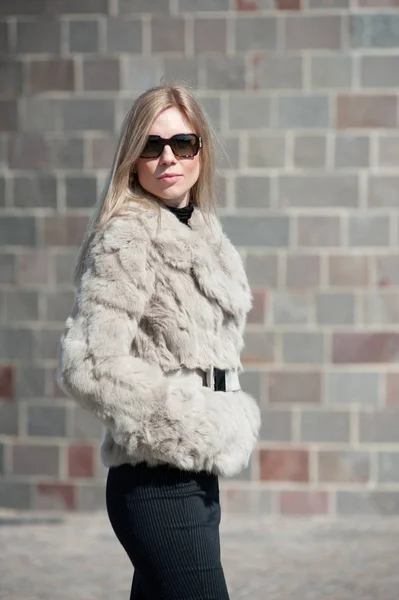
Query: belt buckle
<point x="209" y="378"/>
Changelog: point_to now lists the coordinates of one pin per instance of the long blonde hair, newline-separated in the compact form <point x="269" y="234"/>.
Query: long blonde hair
<point x="122" y="190"/>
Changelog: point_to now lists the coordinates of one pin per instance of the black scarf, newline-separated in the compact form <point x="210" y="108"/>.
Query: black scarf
<point x="183" y="214"/>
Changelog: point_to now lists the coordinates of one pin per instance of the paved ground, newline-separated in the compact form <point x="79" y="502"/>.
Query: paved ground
<point x="77" y="557"/>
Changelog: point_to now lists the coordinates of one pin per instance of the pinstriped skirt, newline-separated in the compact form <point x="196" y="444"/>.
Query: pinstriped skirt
<point x="167" y="521"/>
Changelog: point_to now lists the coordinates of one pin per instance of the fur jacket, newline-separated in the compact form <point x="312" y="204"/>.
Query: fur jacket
<point x="158" y="297"/>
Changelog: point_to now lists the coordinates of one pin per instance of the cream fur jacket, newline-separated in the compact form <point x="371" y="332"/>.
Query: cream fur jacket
<point x="158" y="298"/>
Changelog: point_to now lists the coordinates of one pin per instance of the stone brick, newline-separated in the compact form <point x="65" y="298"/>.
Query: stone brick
<point x="87" y="114"/>
<point x="39" y="114"/>
<point x="8" y="418"/>
<point x="388" y="151"/>
<point x="309" y="151"/>
<point x="249" y="112"/>
<point x="352" y="151"/>
<point x="246" y="501"/>
<point x="28" y="151"/>
<point x="255" y="34"/>
<point x="213" y="109"/>
<point x="284" y="465"/>
<point x="387" y="270"/>
<point x="383" y="191"/>
<point x="32" y="267"/>
<point x="55" y="496"/>
<point x="225" y="72"/>
<point x="127" y="7"/>
<point x="62" y="7"/>
<point x="361" y="347"/>
<point x="46" y="343"/>
<point x="374" y="30"/>
<point x="277" y="72"/>
<point x="58" y="305"/>
<point x="359" y="503"/>
<point x="319" y="231"/>
<point x="335" y="309"/>
<point x="90" y="497"/>
<point x="85" y="425"/>
<point x="65" y="152"/>
<point x="29" y="459"/>
<point x="21" y="7"/>
<point x="369" y="230"/>
<point x="46" y="421"/>
<point x="392" y="389"/>
<point x="210" y="35"/>
<point x="348" y="271"/>
<point x="373" y="111"/>
<point x="257" y="313"/>
<point x="378" y="3"/>
<point x="379" y="71"/>
<point x="353" y="387"/>
<point x="262" y="269"/>
<point x="295" y="387"/>
<point x="303" y="348"/>
<point x="65" y="230"/>
<point x="167" y="34"/>
<point x="80" y="461"/>
<point x="343" y="466"/>
<point x="303" y="503"/>
<point x="319" y="191"/>
<point x="268" y="151"/>
<point x="388" y="467"/>
<point x="303" y="112"/>
<point x="102" y="150"/>
<point x="35" y="190"/>
<point x="38" y="37"/>
<point x="276" y="425"/>
<point x="51" y="75"/>
<point x="379" y="427"/>
<point x="328" y="4"/>
<point x="81" y="192"/>
<point x="181" y="70"/>
<point x="271" y="232"/>
<point x="2" y="466"/>
<point x="7" y="268"/>
<point x="142" y="73"/>
<point x="125" y="35"/>
<point x="252" y="383"/>
<point x="7" y="381"/>
<point x="15" y="495"/>
<point x="30" y="382"/>
<point x="21" y="305"/>
<point x="252" y="191"/>
<point x="290" y="308"/>
<point x="302" y="271"/>
<point x="324" y="426"/>
<point x="288" y="4"/>
<point x="8" y="115"/>
<point x="11" y="78"/>
<point x="4" y="184"/>
<point x="331" y="72"/>
<point x="205" y="5"/>
<point x="16" y="343"/>
<point x="83" y="36"/>
<point x="4" y="37"/>
<point x="312" y="32"/>
<point x="64" y="265"/>
<point x="259" y="348"/>
<point x="18" y="231"/>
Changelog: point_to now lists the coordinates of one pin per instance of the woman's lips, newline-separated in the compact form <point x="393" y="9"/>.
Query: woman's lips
<point x="170" y="178"/>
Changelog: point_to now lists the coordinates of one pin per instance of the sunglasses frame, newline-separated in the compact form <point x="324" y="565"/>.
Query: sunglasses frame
<point x="167" y="142"/>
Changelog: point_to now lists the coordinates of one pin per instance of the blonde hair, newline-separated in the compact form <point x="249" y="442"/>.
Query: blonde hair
<point x="122" y="191"/>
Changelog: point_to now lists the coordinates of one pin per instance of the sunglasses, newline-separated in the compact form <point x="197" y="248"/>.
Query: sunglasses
<point x="184" y="145"/>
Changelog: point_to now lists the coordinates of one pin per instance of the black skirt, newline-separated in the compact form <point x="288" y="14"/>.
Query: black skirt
<point x="168" y="521"/>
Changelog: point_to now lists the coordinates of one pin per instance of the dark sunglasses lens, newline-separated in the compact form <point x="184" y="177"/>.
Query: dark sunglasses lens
<point x="153" y="148"/>
<point x="185" y="144"/>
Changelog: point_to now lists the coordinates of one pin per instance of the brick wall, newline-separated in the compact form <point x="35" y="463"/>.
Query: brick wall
<point x="304" y="94"/>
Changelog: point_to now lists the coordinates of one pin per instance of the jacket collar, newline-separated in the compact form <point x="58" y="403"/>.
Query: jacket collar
<point x="204" y="250"/>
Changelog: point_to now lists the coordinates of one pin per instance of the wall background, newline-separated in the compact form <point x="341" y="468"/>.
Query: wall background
<point x="305" y="97"/>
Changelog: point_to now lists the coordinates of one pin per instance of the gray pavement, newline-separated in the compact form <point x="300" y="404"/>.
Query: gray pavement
<point x="77" y="557"/>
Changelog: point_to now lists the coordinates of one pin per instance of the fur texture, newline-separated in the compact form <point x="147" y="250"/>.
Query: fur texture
<point x="157" y="297"/>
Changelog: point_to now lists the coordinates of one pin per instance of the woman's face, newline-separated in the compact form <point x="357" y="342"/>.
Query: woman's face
<point x="169" y="177"/>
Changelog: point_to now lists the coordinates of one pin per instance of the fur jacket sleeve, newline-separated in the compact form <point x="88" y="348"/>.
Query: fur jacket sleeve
<point x="154" y="299"/>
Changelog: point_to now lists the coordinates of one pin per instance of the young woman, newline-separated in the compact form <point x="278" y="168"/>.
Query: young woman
<point x="152" y="348"/>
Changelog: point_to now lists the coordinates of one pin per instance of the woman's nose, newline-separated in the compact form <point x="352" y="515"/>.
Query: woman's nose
<point x="167" y="155"/>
